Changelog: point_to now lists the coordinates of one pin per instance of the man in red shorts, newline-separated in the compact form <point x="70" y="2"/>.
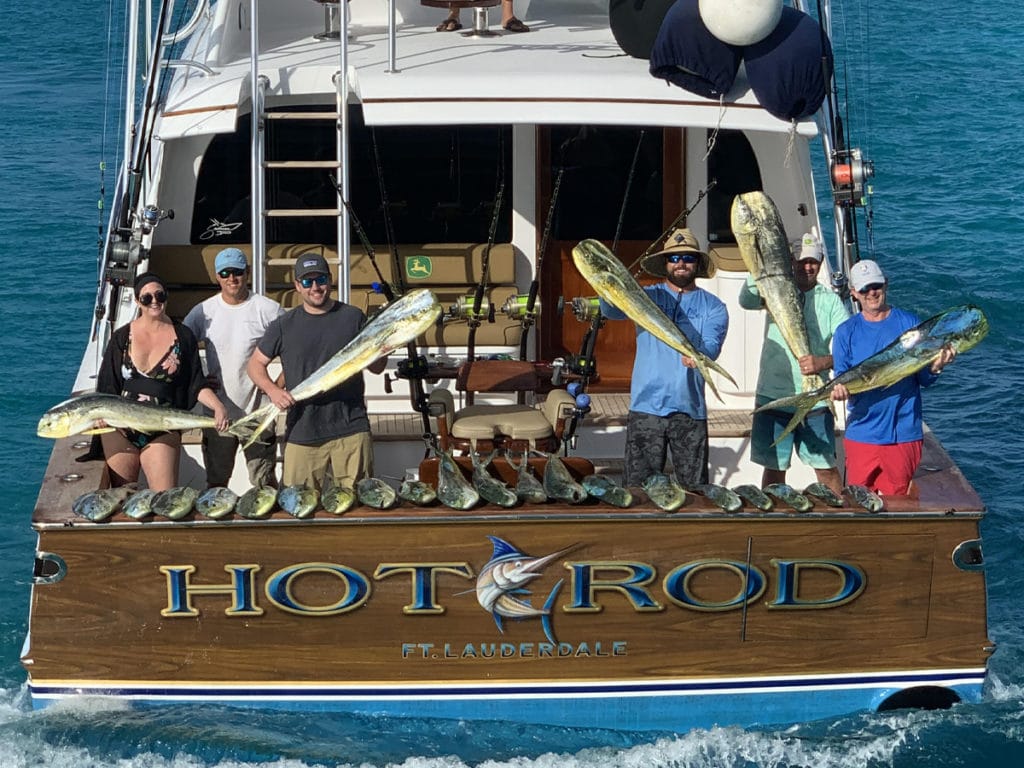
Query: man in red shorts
<point x="883" y="426"/>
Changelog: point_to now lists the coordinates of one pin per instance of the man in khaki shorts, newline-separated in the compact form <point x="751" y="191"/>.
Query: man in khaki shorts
<point x="331" y="429"/>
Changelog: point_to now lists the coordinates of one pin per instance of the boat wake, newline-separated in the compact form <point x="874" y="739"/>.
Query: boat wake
<point x="89" y="733"/>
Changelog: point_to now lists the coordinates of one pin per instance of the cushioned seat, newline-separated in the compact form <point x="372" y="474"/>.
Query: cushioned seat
<point x="509" y="426"/>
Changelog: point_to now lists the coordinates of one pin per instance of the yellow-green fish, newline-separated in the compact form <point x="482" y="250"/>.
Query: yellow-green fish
<point x="765" y="251"/>
<point x="959" y="328"/>
<point x="80" y="416"/>
<point x="613" y="283"/>
<point x="396" y="325"/>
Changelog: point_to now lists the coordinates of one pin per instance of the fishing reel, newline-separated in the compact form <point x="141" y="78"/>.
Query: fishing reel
<point x="462" y="309"/>
<point x="587" y="309"/>
<point x="516" y="307"/>
<point x="850" y="172"/>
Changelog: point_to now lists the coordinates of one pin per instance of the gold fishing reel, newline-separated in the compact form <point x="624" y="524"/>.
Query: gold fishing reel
<point x="516" y="307"/>
<point x="587" y="309"/>
<point x="462" y="309"/>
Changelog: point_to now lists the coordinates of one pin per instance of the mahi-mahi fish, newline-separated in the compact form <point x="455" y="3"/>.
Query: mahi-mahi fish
<point x="958" y="328"/>
<point x="613" y="283"/>
<point x="452" y="487"/>
<point x="761" y="238"/>
<point x="502" y="582"/>
<point x="396" y="325"/>
<point x="82" y="415"/>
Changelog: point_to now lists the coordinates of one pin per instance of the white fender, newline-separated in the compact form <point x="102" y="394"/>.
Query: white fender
<point x="740" y="22"/>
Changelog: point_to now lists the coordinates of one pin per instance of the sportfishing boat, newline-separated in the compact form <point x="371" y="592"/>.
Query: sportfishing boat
<point x="471" y="162"/>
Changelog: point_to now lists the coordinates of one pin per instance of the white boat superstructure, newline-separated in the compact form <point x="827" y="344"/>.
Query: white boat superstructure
<point x="577" y="138"/>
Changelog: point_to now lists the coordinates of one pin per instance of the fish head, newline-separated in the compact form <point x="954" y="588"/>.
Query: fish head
<point x="54" y="424"/>
<point x="963" y="327"/>
<point x="742" y="218"/>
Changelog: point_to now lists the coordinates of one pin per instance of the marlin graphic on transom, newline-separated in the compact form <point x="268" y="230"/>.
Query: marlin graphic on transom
<point x="505" y="576"/>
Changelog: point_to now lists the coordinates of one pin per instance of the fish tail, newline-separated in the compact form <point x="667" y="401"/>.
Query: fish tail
<point x="802" y="404"/>
<point x="703" y="366"/>
<point x="725" y="374"/>
<point x="250" y="427"/>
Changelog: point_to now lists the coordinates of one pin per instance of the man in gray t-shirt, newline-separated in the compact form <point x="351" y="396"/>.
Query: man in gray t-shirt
<point x="332" y="428"/>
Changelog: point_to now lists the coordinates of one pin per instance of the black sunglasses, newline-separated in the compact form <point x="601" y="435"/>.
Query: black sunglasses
<point x="686" y="258"/>
<point x="307" y="282"/>
<point x="872" y="287"/>
<point x="230" y="272"/>
<point x="148" y="298"/>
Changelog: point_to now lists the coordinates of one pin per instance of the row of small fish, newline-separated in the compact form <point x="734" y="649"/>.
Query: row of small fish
<point x="666" y="493"/>
<point x="256" y="503"/>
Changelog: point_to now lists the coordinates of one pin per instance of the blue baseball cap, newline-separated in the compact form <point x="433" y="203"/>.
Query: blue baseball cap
<point x="230" y="258"/>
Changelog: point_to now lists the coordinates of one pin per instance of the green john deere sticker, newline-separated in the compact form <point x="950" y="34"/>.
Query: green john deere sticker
<point x="418" y="267"/>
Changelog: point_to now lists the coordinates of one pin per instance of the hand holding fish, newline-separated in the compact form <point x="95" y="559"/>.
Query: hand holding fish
<point x="280" y="397"/>
<point x="944" y="358"/>
<point x="811" y="364"/>
<point x="840" y="392"/>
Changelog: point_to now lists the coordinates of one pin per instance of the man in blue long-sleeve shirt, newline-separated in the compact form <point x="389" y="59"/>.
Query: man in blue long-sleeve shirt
<point x="668" y="410"/>
<point x="884" y="434"/>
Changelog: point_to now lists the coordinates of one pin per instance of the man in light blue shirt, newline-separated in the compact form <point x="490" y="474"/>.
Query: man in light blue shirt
<point x="668" y="409"/>
<point x="781" y="375"/>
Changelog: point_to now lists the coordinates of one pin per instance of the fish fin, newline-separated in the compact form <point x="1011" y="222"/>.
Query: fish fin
<point x="249" y="428"/>
<point x="97" y="430"/>
<point x="802" y="404"/>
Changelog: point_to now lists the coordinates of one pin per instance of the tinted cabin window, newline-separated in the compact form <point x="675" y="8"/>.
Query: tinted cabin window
<point x="733" y="165"/>
<point x="596" y="180"/>
<point x="441" y="183"/>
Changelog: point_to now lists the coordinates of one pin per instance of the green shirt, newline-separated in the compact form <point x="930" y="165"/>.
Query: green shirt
<point x="780" y="373"/>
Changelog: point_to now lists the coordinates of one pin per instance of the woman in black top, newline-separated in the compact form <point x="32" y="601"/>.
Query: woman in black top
<point x="153" y="359"/>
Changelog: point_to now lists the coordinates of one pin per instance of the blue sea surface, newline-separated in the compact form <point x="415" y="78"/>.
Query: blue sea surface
<point x="933" y="95"/>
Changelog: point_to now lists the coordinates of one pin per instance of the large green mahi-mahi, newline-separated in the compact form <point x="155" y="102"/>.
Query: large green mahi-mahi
<point x="85" y="414"/>
<point x="613" y="283"/>
<point x="959" y="328"/>
<point x="396" y="325"/>
<point x="761" y="238"/>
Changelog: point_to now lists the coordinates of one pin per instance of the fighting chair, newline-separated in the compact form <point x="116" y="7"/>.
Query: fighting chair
<point x="506" y="426"/>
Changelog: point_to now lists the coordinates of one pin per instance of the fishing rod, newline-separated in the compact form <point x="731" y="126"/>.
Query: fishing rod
<point x="526" y="310"/>
<point x="681" y="219"/>
<point x="396" y="263"/>
<point x="474" y="315"/>
<point x="124" y="246"/>
<point x="414" y="368"/>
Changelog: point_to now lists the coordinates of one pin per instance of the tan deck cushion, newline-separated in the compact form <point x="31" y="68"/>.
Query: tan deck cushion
<point x="483" y="422"/>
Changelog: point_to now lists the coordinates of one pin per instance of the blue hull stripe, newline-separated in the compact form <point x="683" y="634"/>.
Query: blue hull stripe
<point x="406" y="691"/>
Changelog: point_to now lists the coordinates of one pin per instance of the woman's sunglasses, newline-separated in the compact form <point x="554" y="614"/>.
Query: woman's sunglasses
<point x="872" y="287"/>
<point x="307" y="282"/>
<point x="226" y="273"/>
<point x="148" y="298"/>
<point x="686" y="258"/>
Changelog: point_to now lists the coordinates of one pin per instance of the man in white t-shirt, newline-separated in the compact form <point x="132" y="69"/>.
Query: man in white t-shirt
<point x="231" y="323"/>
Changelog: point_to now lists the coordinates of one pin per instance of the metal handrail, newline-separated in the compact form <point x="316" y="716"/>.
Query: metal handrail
<point x="189" y="27"/>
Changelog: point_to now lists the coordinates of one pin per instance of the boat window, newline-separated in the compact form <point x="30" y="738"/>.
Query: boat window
<point x="441" y="183"/>
<point x="733" y="165"/>
<point x="597" y="162"/>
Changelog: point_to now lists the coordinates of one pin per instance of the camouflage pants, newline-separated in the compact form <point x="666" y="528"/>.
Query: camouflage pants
<point x="649" y="438"/>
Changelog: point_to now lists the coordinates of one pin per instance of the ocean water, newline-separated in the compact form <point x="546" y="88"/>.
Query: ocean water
<point x="938" y="111"/>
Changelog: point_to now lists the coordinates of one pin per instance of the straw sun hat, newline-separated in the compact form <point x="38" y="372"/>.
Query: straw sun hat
<point x="679" y="240"/>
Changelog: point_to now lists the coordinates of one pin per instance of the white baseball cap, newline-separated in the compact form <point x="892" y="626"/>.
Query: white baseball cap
<point x="807" y="247"/>
<point x="865" y="273"/>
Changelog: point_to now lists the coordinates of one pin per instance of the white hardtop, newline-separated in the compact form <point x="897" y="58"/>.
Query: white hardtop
<point x="567" y="70"/>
